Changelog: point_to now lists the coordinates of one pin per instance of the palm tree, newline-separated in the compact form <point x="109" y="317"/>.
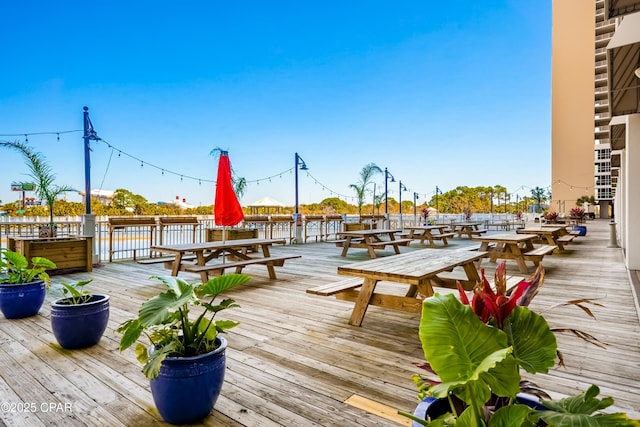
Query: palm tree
<point x="42" y="174"/>
<point x="366" y="175"/>
<point x="538" y="195"/>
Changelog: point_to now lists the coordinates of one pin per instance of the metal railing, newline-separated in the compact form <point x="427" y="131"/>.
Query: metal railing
<point x="134" y="241"/>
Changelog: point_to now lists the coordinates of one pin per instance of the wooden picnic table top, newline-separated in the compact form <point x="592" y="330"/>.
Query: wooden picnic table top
<point x="427" y="227"/>
<point x="204" y="246"/>
<point x="411" y="267"/>
<point x="541" y="231"/>
<point x="505" y="238"/>
<point x="371" y="232"/>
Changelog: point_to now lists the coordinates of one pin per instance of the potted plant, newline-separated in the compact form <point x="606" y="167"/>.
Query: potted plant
<point x="477" y="350"/>
<point x="43" y="177"/>
<point x="185" y="356"/>
<point x="22" y="287"/>
<point x="79" y="318"/>
<point x="551" y="217"/>
<point x="425" y="216"/>
<point x="578" y="214"/>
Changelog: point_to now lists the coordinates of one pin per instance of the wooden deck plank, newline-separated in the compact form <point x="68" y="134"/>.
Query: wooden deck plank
<point x="294" y="360"/>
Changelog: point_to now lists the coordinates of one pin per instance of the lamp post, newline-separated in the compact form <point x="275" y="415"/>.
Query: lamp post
<point x="415" y="207"/>
<point x="89" y="135"/>
<point x="401" y="188"/>
<point x="387" y="174"/>
<point x="437" y="207"/>
<point x="299" y="164"/>
<point x="88" y="219"/>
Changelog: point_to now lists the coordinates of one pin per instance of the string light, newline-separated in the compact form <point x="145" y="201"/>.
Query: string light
<point x="182" y="176"/>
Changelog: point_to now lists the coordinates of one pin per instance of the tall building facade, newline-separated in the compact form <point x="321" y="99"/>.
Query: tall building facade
<point x="596" y="112"/>
<point x="573" y="61"/>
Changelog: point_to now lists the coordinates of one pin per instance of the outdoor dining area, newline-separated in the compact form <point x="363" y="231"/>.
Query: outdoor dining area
<point x="306" y="358"/>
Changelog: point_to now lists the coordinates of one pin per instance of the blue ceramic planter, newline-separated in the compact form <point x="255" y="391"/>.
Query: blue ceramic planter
<point x="22" y="299"/>
<point x="582" y="229"/>
<point x="80" y="325"/>
<point x="433" y="407"/>
<point x="187" y="388"/>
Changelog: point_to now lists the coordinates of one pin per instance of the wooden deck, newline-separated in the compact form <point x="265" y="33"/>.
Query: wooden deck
<point x="294" y="359"/>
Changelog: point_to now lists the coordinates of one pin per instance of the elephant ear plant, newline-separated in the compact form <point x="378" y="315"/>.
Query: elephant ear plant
<point x="165" y="320"/>
<point x="477" y="350"/>
<point x="14" y="268"/>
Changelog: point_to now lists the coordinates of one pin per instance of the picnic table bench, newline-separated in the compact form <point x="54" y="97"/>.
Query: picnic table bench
<point x="554" y="236"/>
<point x="420" y="270"/>
<point x="514" y="246"/>
<point x="431" y="233"/>
<point x="469" y="229"/>
<point x="209" y="269"/>
<point x="371" y="240"/>
<point x="232" y="252"/>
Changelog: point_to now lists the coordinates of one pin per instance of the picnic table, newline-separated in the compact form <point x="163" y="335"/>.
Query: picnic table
<point x="421" y="270"/>
<point x="557" y="236"/>
<point x="518" y="247"/>
<point x="229" y="254"/>
<point x="469" y="229"/>
<point x="431" y="233"/>
<point x="371" y="240"/>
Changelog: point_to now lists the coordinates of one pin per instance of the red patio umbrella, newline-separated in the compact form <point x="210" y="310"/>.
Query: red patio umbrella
<point x="227" y="209"/>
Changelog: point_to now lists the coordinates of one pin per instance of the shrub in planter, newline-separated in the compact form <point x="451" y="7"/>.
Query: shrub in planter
<point x="183" y="355"/>
<point x="79" y="318"/>
<point x="477" y="350"/>
<point x="22" y="287"/>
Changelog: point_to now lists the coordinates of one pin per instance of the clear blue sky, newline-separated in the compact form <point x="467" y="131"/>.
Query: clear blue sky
<point x="441" y="93"/>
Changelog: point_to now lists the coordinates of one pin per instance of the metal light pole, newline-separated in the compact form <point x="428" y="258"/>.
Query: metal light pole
<point x="299" y="163"/>
<point x="387" y="174"/>
<point x="415" y="207"/>
<point x="88" y="219"/>
<point x="437" y="207"/>
<point x="401" y="188"/>
<point x="89" y="135"/>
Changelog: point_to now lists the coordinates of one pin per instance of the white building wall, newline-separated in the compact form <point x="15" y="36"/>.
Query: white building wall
<point x="631" y="190"/>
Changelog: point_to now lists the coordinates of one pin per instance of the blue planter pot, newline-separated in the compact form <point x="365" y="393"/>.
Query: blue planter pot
<point x="187" y="388"/>
<point x="79" y="325"/>
<point x="433" y="407"/>
<point x="582" y="229"/>
<point x="22" y="299"/>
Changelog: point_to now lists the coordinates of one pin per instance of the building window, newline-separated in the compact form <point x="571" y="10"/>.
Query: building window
<point x="604" y="193"/>
<point x="604" y="154"/>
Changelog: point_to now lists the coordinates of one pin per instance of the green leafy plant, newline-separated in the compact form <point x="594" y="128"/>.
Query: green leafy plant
<point x="165" y="320"/>
<point x="477" y="350"/>
<point x="14" y="268"/>
<point x="74" y="293"/>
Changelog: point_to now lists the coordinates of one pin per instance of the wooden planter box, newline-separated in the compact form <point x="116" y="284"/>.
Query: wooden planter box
<point x="215" y="234"/>
<point x="68" y="253"/>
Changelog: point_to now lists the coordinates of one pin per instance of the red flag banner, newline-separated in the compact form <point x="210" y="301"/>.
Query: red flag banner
<point x="227" y="209"/>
